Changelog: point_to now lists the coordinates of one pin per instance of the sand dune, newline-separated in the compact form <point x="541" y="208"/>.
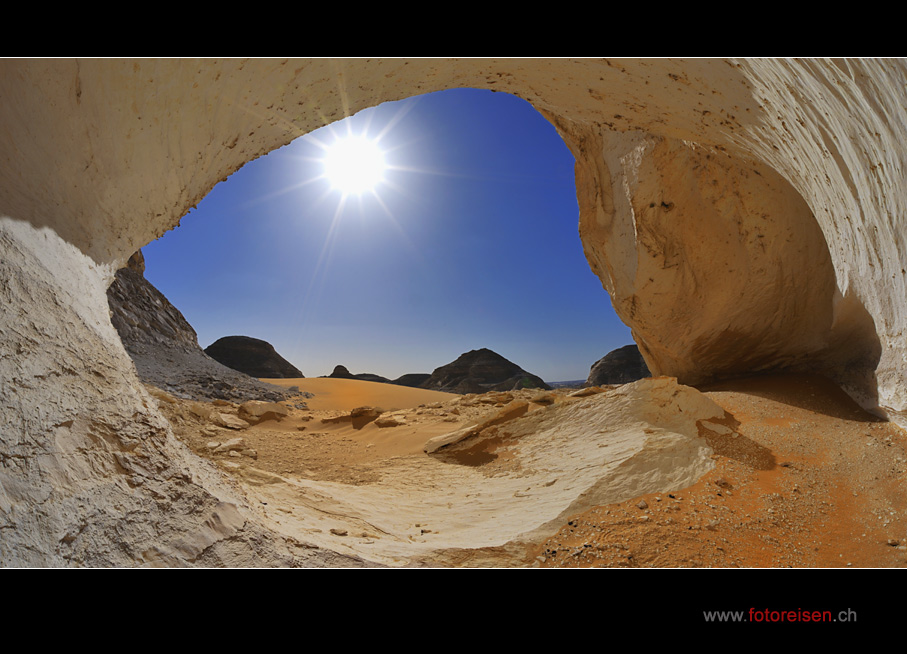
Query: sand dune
<point x="347" y="394"/>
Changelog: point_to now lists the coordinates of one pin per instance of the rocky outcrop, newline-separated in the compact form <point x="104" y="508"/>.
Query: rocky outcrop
<point x="341" y="372"/>
<point x="620" y="366"/>
<point x="480" y="371"/>
<point x="141" y="314"/>
<point x="743" y="214"/>
<point x="412" y="379"/>
<point x="91" y="472"/>
<point x="253" y="357"/>
<point x="164" y="347"/>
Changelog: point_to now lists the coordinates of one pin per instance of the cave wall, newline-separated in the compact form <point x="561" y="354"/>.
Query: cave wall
<point x="743" y="215"/>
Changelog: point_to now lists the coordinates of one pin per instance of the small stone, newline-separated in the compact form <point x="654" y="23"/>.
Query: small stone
<point x="642" y="504"/>
<point x="231" y="445"/>
<point x="338" y="532"/>
<point x="894" y="542"/>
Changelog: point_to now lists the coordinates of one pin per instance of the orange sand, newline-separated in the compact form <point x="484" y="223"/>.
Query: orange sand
<point x="347" y="394"/>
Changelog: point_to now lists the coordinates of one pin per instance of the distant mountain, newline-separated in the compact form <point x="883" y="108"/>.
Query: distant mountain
<point x="620" y="366"/>
<point x="341" y="372"/>
<point x="575" y="383"/>
<point x="252" y="356"/>
<point x="412" y="379"/>
<point x="480" y="371"/>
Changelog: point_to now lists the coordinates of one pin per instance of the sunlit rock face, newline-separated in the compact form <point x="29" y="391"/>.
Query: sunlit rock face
<point x="744" y="215"/>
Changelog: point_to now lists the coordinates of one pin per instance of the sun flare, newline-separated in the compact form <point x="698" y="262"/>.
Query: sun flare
<point x="354" y="165"/>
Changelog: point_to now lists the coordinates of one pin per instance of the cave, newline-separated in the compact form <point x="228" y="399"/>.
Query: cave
<point x="744" y="215"/>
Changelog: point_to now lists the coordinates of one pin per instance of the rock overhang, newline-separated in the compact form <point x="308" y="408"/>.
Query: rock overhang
<point x="710" y="190"/>
<point x="794" y="257"/>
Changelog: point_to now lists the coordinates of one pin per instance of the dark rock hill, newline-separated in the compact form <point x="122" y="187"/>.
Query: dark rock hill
<point x="252" y="356"/>
<point x="341" y="372"/>
<point x="620" y="366"/>
<point x="412" y="379"/>
<point x="480" y="371"/>
<point x="164" y="347"/>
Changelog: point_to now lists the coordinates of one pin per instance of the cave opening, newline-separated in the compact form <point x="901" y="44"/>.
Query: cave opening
<point x="469" y="241"/>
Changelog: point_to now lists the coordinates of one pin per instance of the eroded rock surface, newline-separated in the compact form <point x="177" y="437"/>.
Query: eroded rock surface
<point x="90" y="471"/>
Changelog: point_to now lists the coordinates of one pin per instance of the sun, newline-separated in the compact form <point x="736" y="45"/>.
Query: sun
<point x="354" y="165"/>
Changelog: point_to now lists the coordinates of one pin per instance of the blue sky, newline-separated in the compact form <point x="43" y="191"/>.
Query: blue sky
<point x="470" y="241"/>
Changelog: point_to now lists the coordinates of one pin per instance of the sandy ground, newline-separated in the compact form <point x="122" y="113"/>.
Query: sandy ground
<point x="795" y="475"/>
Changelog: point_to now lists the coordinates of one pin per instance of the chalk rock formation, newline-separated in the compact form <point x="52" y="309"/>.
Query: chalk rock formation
<point x="164" y="347"/>
<point x="252" y="356"/>
<point x="620" y="366"/>
<point x="744" y="215"/>
<point x="481" y="371"/>
<point x="90" y="472"/>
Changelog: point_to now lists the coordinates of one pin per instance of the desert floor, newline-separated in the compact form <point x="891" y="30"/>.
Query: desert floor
<point x="794" y="474"/>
